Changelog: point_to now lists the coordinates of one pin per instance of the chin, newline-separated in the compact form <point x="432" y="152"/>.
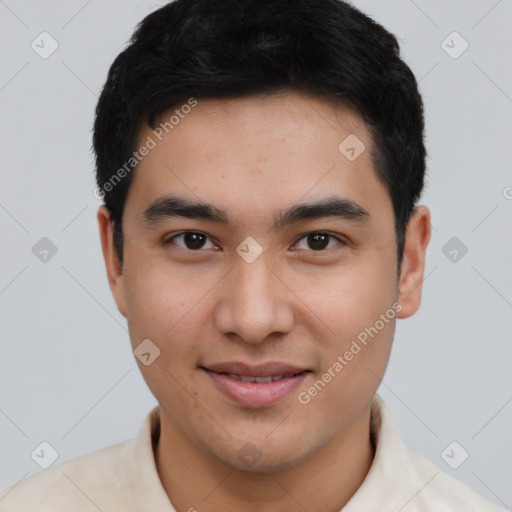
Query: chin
<point x="267" y="465"/>
<point x="272" y="458"/>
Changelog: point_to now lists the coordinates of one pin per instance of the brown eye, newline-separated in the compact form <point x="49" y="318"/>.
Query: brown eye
<point x="191" y="240"/>
<point x="317" y="241"/>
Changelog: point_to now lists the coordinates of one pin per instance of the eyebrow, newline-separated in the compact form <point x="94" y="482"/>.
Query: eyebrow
<point x="333" y="206"/>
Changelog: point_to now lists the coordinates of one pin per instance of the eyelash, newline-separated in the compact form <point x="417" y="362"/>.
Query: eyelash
<point x="340" y="241"/>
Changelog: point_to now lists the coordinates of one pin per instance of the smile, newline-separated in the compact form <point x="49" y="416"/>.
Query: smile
<point x="250" y="378"/>
<point x="255" y="386"/>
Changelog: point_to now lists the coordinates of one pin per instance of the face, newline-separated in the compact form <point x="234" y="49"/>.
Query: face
<point x="289" y="276"/>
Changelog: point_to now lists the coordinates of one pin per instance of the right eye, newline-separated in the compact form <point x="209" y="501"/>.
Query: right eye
<point x="190" y="240"/>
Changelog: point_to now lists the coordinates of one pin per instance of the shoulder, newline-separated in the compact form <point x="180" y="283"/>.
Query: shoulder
<point x="402" y="479"/>
<point x="444" y="492"/>
<point x="87" y="482"/>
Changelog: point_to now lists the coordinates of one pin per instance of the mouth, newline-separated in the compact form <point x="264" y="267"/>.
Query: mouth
<point x="261" y="380"/>
<point x="255" y="386"/>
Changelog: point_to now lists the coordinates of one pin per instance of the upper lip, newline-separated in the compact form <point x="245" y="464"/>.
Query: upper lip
<point x="269" y="369"/>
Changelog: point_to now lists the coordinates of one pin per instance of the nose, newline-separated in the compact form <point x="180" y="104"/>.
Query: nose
<point x="254" y="303"/>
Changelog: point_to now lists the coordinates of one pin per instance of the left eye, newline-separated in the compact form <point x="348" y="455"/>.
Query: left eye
<point x="317" y="241"/>
<point x="191" y="240"/>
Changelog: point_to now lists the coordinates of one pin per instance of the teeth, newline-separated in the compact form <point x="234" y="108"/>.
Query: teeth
<point x="261" y="380"/>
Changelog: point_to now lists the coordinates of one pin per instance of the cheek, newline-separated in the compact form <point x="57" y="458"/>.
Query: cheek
<point x="160" y="302"/>
<point x="348" y="300"/>
<point x="362" y="314"/>
<point x="170" y="309"/>
<point x="357" y="307"/>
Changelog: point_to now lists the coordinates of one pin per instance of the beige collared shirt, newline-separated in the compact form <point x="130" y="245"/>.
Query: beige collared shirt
<point x="123" y="478"/>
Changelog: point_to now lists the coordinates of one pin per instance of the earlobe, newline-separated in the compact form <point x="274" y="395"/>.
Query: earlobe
<point x="112" y="263"/>
<point x="413" y="264"/>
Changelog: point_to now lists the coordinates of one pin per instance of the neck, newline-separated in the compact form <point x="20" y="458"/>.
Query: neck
<point x="195" y="480"/>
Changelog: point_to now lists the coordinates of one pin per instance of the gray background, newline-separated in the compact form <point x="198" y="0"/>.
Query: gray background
<point x="68" y="375"/>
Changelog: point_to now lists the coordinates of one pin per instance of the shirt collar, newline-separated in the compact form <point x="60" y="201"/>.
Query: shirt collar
<point x="379" y="490"/>
<point x="392" y="481"/>
<point x="145" y="485"/>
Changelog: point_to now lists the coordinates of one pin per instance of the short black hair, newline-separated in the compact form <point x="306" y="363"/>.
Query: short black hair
<point x="238" y="48"/>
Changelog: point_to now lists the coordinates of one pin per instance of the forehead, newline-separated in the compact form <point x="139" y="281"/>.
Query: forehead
<point x="297" y="117"/>
<point x="257" y="154"/>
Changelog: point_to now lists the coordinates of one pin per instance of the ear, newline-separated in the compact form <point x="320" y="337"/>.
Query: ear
<point x="412" y="271"/>
<point x="112" y="263"/>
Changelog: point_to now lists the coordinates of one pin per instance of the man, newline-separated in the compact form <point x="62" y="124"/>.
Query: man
<point x="260" y="163"/>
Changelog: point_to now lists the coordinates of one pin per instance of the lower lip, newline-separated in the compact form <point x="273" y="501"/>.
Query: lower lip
<point x="256" y="394"/>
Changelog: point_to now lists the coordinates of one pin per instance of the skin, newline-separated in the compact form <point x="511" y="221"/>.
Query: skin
<point x="254" y="157"/>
